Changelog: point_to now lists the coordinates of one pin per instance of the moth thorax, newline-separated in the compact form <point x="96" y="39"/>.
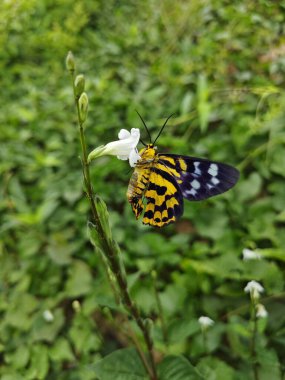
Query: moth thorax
<point x="147" y="153"/>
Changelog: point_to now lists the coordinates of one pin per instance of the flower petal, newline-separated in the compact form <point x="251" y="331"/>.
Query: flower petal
<point x="124" y="158"/>
<point x="124" y="134"/>
<point x="134" y="157"/>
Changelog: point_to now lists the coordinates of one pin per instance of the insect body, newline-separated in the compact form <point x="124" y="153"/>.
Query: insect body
<point x="160" y="182"/>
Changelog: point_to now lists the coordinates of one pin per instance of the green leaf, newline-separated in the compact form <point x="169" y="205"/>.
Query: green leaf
<point x="39" y="363"/>
<point x="124" y="364"/>
<point x="181" y="329"/>
<point x="19" y="358"/>
<point x="61" y="351"/>
<point x="269" y="364"/>
<point x="47" y="331"/>
<point x="203" y="106"/>
<point x="177" y="368"/>
<point x="215" y="369"/>
<point x="80" y="279"/>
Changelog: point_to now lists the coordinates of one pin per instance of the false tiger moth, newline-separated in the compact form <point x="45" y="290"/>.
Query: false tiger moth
<point x="160" y="182"/>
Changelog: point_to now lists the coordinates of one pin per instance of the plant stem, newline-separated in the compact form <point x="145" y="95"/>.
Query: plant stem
<point x="160" y="311"/>
<point x="253" y="340"/>
<point x="204" y="334"/>
<point x="109" y="250"/>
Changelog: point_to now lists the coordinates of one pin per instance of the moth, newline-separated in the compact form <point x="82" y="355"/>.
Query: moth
<point x="160" y="182"/>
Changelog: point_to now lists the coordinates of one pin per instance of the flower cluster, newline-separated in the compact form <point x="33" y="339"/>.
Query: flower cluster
<point x="255" y="289"/>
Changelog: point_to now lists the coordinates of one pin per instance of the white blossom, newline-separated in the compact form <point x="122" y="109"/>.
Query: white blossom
<point x="125" y="148"/>
<point x="48" y="316"/>
<point x="205" y="322"/>
<point x="248" y="254"/>
<point x="261" y="312"/>
<point x="254" y="288"/>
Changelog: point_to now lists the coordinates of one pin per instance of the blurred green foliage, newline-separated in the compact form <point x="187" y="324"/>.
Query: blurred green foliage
<point x="220" y="67"/>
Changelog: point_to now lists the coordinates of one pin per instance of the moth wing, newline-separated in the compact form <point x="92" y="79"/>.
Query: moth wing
<point x="163" y="196"/>
<point x="199" y="178"/>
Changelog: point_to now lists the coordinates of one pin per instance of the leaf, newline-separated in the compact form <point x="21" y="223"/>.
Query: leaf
<point x="47" y="331"/>
<point x="203" y="106"/>
<point x="61" y="351"/>
<point x="124" y="364"/>
<point x="19" y="358"/>
<point x="272" y="253"/>
<point x="269" y="364"/>
<point x="79" y="281"/>
<point x="40" y="361"/>
<point x="186" y="103"/>
<point x="177" y="368"/>
<point x="181" y="329"/>
<point x="215" y="369"/>
<point x="250" y="187"/>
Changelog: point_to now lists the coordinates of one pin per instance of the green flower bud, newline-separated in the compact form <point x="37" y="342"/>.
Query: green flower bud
<point x="83" y="106"/>
<point x="149" y="326"/>
<point x="79" y="85"/>
<point x="94" y="236"/>
<point x="76" y="306"/>
<point x="154" y="274"/>
<point x="70" y="62"/>
<point x="103" y="215"/>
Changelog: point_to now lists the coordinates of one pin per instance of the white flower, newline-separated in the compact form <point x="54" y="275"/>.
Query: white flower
<point x="261" y="312"/>
<point x="248" y="254"/>
<point x="125" y="148"/>
<point x="254" y="288"/>
<point x="48" y="316"/>
<point x="205" y="322"/>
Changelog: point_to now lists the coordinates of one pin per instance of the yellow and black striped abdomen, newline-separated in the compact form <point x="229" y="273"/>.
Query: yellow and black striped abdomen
<point x="137" y="187"/>
<point x="154" y="190"/>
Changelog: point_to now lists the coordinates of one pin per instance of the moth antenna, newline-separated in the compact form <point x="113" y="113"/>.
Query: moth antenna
<point x="143" y="142"/>
<point x="163" y="127"/>
<point x="145" y="127"/>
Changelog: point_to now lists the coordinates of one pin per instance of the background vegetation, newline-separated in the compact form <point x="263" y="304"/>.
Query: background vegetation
<point x="220" y="67"/>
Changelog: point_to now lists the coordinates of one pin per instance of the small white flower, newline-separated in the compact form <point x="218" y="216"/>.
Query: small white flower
<point x="261" y="312"/>
<point x="48" y="316"/>
<point x="205" y="322"/>
<point x="248" y="254"/>
<point x="254" y="288"/>
<point x="125" y="148"/>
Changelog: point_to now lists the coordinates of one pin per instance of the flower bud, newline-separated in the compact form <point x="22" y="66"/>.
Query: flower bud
<point x="79" y="85"/>
<point x="153" y="274"/>
<point x="76" y="306"/>
<point x="70" y="63"/>
<point x="149" y="326"/>
<point x="83" y="106"/>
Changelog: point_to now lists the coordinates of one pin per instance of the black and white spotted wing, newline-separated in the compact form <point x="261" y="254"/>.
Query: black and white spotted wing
<point x="199" y="178"/>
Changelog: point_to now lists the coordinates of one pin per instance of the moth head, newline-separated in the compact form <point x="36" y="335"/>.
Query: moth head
<point x="148" y="152"/>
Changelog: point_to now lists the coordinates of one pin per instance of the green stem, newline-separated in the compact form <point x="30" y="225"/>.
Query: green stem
<point x="253" y="340"/>
<point x="204" y="334"/>
<point x="109" y="250"/>
<point x="160" y="312"/>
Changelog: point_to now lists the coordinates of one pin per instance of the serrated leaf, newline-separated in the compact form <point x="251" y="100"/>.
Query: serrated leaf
<point x="124" y="364"/>
<point x="215" y="369"/>
<point x="177" y="368"/>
